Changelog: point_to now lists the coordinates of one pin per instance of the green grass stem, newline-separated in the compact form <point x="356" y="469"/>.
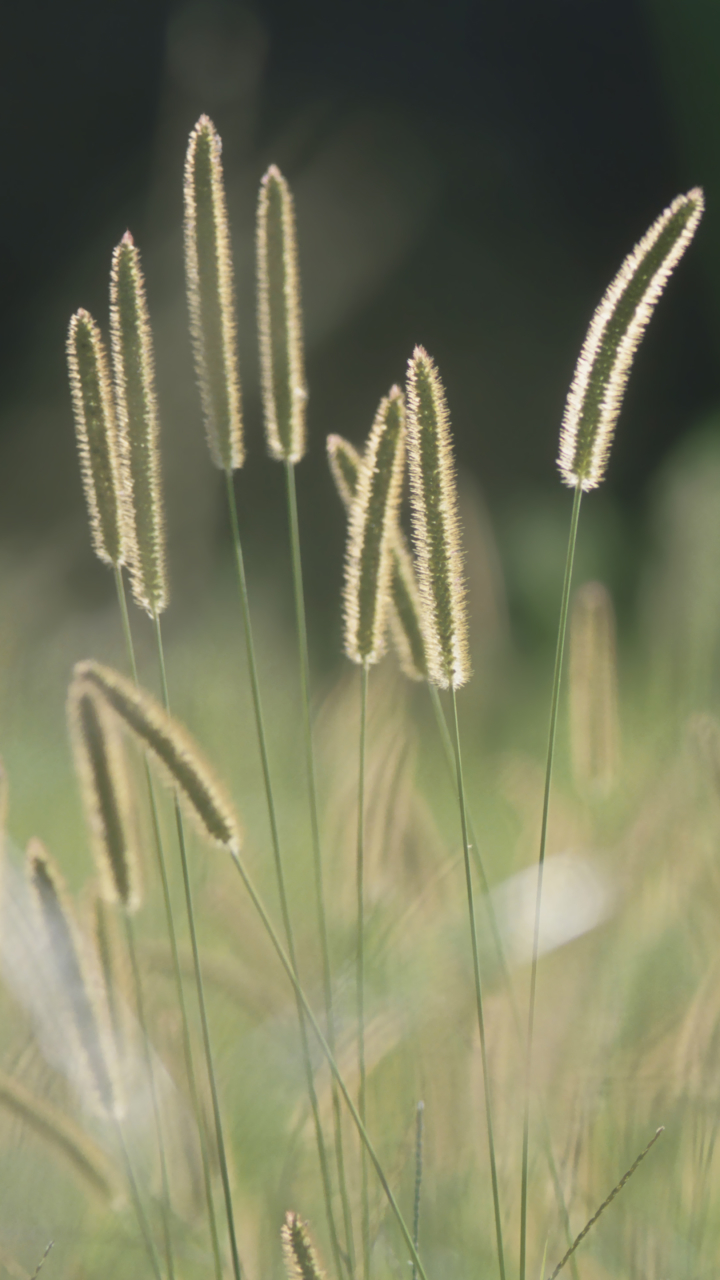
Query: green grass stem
<point x="360" y="969"/>
<point x="137" y="1202"/>
<point x="419" y="1118"/>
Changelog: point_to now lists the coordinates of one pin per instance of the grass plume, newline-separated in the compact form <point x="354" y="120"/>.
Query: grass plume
<point x="279" y="323"/>
<point x="298" y="1250"/>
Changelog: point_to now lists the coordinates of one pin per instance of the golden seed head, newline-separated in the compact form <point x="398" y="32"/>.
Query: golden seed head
<point x="171" y="747"/>
<point x="211" y="296"/>
<point x="345" y="462"/>
<point x="436" y="528"/>
<point x="280" y="320"/>
<point x="603" y="367"/>
<point x="97" y="438"/>
<point x="105" y="790"/>
<point x="300" y="1258"/>
<point x="134" y="372"/>
<point x="372" y="530"/>
<point x="593" y="694"/>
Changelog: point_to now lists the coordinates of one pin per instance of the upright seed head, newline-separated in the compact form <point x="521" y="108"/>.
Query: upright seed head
<point x="97" y="439"/>
<point x="603" y="367"/>
<point x="171" y="747"/>
<point x="211" y="302"/>
<point x="593" y="695"/>
<point x="300" y="1257"/>
<point x="404" y="605"/>
<point x="133" y="368"/>
<point x="371" y="533"/>
<point x="279" y="320"/>
<point x="436" y="528"/>
<point x="105" y="790"/>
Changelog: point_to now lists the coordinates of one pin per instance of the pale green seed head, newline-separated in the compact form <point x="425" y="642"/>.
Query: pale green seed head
<point x="279" y="320"/>
<point x="211" y="301"/>
<point x="300" y="1257"/>
<point x="97" y="437"/>
<point x="371" y="533"/>
<point x="603" y="367"/>
<point x="436" y="529"/>
<point x="133" y="367"/>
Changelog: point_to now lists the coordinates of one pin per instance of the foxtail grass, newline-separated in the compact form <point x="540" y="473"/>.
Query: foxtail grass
<point x="301" y="1260"/>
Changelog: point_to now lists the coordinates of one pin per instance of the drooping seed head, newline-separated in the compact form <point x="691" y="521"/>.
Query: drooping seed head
<point x="280" y="321"/>
<point x="436" y="528"/>
<point x="211" y="302"/>
<point x="300" y="1258"/>
<point x="105" y="790"/>
<point x="404" y="606"/>
<point x="97" y="438"/>
<point x="133" y="368"/>
<point x="603" y="367"/>
<point x="593" y="695"/>
<point x="171" y="747"/>
<point x="371" y="532"/>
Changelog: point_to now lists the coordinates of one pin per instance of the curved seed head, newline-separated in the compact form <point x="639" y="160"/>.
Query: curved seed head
<point x="404" y="607"/>
<point x="280" y="321"/>
<point x="105" y="790"/>
<point x="171" y="747"/>
<point x="97" y="438"/>
<point x="593" y="695"/>
<point x="436" y="529"/>
<point x="603" y="367"/>
<point x="300" y="1257"/>
<point x="133" y="368"/>
<point x="371" y="533"/>
<point x="209" y="276"/>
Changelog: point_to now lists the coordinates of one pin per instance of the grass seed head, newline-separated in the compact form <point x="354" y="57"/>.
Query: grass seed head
<point x="371" y="534"/>
<point x="300" y="1258"/>
<point x="279" y="320"/>
<point x="97" y="437"/>
<point x="436" y="526"/>
<point x="210" y="290"/>
<point x="603" y="367"/>
<point x="133" y="367"/>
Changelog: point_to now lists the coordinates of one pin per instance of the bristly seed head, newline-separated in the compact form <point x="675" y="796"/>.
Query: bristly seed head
<point x="280" y="321"/>
<point x="97" y="437"/>
<point x="371" y="533"/>
<point x="436" y="530"/>
<point x="300" y="1257"/>
<point x="603" y="367"/>
<point x="133" y="368"/>
<point x="211" y="302"/>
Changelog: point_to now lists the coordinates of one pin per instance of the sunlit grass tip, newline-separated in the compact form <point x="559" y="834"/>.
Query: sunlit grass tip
<point x="179" y="758"/>
<point x="97" y="437"/>
<point x="405" y="608"/>
<point x="280" y="321"/>
<point x="211" y="300"/>
<point x="104" y="785"/>
<point x="593" y="691"/>
<point x="436" y="526"/>
<point x="136" y="403"/>
<point x="300" y="1258"/>
<point x="603" y="367"/>
<point x="371" y="533"/>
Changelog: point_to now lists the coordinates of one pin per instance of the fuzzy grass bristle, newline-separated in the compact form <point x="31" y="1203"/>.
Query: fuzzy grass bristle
<point x="371" y="533"/>
<point x="173" y="750"/>
<point x="134" y="375"/>
<point x="279" y="320"/>
<point x="298" y="1250"/>
<point x="210" y="291"/>
<point x="603" y="367"/>
<point x="436" y="527"/>
<point x="97" y="437"/>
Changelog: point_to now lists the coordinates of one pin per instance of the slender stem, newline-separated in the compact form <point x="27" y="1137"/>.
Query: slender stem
<point x="301" y="623"/>
<point x="279" y="870"/>
<point x="330" y="1059"/>
<point x="152" y="1082"/>
<point x="360" y="970"/>
<point x="217" y="1116"/>
<point x="137" y="1202"/>
<point x="478" y="992"/>
<point x="552" y="732"/>
<point x="419" y="1117"/>
<point x="172" y="935"/>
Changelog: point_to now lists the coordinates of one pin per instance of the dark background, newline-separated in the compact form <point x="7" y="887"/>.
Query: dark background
<point x="467" y="175"/>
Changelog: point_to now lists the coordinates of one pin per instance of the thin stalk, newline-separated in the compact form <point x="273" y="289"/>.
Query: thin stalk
<point x="552" y="733"/>
<point x="330" y="1058"/>
<point x="360" y="970"/>
<point x="179" y="987"/>
<point x="149" y="1066"/>
<point x="279" y="870"/>
<point x="219" y="1136"/>
<point x="419" y="1116"/>
<point x="478" y="992"/>
<point x="137" y="1202"/>
<point x="301" y="623"/>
